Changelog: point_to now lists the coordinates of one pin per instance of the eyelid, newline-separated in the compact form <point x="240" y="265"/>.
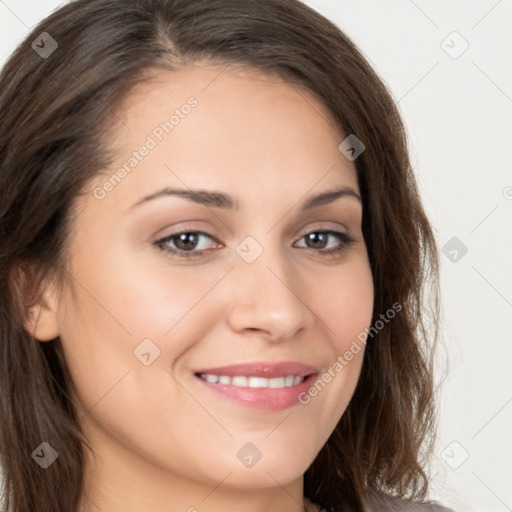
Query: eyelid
<point x="194" y="229"/>
<point x="345" y="240"/>
<point x="324" y="226"/>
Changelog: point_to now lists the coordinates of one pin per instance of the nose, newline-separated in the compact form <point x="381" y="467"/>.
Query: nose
<point x="269" y="298"/>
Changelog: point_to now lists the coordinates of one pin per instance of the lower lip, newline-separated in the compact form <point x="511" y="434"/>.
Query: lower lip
<point x="270" y="399"/>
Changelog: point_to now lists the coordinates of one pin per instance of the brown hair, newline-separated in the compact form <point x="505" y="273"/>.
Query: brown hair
<point x="55" y="115"/>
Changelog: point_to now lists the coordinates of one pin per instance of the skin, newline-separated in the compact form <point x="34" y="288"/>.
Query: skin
<point x="164" y="442"/>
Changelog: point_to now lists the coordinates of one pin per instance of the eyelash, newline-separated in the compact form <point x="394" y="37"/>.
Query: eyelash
<point x="346" y="242"/>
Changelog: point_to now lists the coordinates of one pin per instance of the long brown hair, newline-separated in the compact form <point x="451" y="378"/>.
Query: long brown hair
<point x="56" y="110"/>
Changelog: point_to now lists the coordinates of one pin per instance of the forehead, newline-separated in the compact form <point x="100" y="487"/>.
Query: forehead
<point x="226" y="127"/>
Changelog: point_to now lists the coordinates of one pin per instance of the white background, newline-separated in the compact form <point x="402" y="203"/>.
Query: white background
<point x="458" y="113"/>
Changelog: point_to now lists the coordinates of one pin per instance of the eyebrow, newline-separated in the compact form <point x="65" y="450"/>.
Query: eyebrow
<point x="217" y="199"/>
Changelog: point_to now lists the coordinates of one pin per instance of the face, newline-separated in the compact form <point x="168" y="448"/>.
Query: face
<point x="257" y="282"/>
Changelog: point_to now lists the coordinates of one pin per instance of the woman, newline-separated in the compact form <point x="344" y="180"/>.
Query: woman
<point x="213" y="263"/>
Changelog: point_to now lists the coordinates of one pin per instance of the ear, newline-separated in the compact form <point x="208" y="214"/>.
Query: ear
<point x="39" y="303"/>
<point x="41" y="320"/>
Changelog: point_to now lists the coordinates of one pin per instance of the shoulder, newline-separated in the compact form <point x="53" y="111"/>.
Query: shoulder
<point x="393" y="504"/>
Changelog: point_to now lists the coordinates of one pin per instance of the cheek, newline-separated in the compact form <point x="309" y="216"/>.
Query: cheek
<point x="101" y="328"/>
<point x="346" y="303"/>
<point x="346" y="309"/>
<point x="125" y="310"/>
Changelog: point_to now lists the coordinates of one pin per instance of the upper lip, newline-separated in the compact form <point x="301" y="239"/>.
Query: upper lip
<point x="262" y="369"/>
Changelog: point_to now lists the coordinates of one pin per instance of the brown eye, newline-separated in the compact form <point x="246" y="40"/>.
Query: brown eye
<point x="185" y="243"/>
<point x="319" y="240"/>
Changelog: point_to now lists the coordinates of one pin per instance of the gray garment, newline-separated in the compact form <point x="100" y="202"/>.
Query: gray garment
<point x="391" y="504"/>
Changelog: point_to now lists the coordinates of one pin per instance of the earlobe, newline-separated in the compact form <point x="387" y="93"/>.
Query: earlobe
<point x="41" y="320"/>
<point x="41" y="309"/>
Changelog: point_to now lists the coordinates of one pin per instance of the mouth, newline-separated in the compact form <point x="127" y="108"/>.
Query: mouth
<point x="262" y="385"/>
<point x="253" y="382"/>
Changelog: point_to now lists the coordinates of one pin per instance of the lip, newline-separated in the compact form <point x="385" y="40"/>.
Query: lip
<point x="269" y="399"/>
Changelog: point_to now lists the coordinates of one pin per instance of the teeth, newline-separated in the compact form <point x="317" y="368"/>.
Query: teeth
<point x="257" y="382"/>
<point x="238" y="381"/>
<point x="277" y="382"/>
<point x="254" y="382"/>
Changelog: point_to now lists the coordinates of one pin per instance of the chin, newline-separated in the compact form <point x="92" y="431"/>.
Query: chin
<point x="274" y="467"/>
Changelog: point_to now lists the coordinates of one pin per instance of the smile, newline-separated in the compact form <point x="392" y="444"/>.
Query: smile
<point x="261" y="385"/>
<point x="253" y="382"/>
